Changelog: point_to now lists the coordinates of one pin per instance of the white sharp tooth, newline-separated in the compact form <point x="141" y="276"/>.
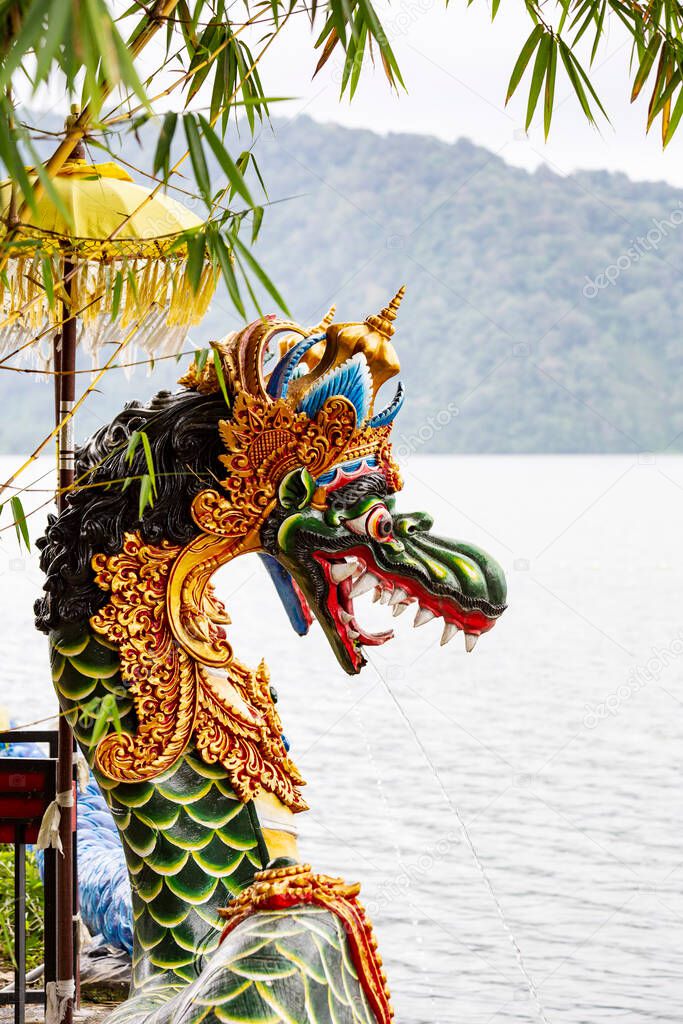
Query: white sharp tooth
<point x="344" y="615"/>
<point x="398" y="596"/>
<point x="386" y="597"/>
<point x="470" y="641"/>
<point x="449" y="631"/>
<point x="377" y="595"/>
<point x="364" y="583"/>
<point x="400" y="608"/>
<point x="340" y="571"/>
<point x="423" y="615"/>
<point x="352" y="634"/>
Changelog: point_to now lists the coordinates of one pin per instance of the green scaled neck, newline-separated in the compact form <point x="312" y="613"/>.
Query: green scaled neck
<point x="190" y="843"/>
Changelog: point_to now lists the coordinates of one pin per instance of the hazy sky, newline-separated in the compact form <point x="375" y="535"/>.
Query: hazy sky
<point x="456" y="65"/>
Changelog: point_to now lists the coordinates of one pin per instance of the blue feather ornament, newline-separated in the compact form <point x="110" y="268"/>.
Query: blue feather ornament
<point x="352" y="380"/>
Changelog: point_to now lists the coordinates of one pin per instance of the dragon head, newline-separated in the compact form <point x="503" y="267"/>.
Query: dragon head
<point x="311" y="485"/>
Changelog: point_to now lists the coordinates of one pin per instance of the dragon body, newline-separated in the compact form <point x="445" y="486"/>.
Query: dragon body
<point x="295" y="465"/>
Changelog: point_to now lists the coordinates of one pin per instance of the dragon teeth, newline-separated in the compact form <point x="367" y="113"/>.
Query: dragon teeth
<point x="398" y="596"/>
<point x="344" y="616"/>
<point x="449" y="631"/>
<point x="340" y="571"/>
<point x="352" y="634"/>
<point x="364" y="583"/>
<point x="400" y="608"/>
<point x="377" y="595"/>
<point x="386" y="597"/>
<point x="423" y="615"/>
<point x="470" y="641"/>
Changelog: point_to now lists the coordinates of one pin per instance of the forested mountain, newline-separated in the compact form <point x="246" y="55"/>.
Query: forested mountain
<point x="543" y="313"/>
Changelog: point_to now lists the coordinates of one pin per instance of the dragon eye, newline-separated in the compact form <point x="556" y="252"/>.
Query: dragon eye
<point x="377" y="523"/>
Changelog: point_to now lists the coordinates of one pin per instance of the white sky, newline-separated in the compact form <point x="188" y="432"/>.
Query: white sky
<point x="456" y="65"/>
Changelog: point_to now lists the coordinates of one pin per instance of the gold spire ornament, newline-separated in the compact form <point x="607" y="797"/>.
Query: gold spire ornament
<point x="383" y="322"/>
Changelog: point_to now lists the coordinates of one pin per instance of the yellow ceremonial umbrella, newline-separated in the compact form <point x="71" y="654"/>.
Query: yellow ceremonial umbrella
<point x="127" y="266"/>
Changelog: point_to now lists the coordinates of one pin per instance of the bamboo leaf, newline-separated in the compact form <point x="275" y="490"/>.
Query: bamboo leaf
<point x="58" y="20"/>
<point x="195" y="259"/>
<point x="11" y="157"/>
<point x="256" y="223"/>
<point x="598" y="30"/>
<point x="566" y="56"/>
<point x="146" y="495"/>
<point x="374" y="28"/>
<point x="128" y="74"/>
<point x="675" y="119"/>
<point x="20" y="521"/>
<point x="200" y="358"/>
<point x="47" y="271"/>
<point x="133" y="442"/>
<point x="226" y="162"/>
<point x="106" y="713"/>
<point x="540" y="68"/>
<point x="550" y="87"/>
<point x="149" y="459"/>
<point x="523" y="59"/>
<point x="164" y="142"/>
<point x="660" y="80"/>
<point x="358" y="62"/>
<point x="201" y="171"/>
<point x="645" y="65"/>
<point x="589" y="85"/>
<point x="328" y="50"/>
<point x="29" y="34"/>
<point x="117" y="291"/>
<point x="218" y="366"/>
<point x="225" y="263"/>
<point x="667" y="93"/>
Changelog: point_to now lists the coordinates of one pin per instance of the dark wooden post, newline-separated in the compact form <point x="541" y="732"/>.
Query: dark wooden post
<point x="65" y="391"/>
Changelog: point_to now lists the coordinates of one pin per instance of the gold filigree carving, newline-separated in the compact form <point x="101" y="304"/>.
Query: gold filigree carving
<point x="160" y="675"/>
<point x="267" y="439"/>
<point x="232" y="718"/>
<point x="282" y="888"/>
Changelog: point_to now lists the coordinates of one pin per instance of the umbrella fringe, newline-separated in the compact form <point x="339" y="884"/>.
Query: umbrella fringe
<point x="153" y="293"/>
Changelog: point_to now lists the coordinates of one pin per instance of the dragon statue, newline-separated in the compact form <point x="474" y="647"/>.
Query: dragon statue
<point x="295" y="464"/>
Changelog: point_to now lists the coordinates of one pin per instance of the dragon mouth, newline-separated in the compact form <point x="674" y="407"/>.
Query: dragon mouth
<point x="356" y="573"/>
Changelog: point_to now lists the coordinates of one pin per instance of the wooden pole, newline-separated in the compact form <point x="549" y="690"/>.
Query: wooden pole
<point x="65" y="393"/>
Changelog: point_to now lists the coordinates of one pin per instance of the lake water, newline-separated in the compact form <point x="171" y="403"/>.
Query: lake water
<point x="559" y="739"/>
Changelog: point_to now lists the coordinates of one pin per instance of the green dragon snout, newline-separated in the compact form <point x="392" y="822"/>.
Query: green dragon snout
<point x="324" y="557"/>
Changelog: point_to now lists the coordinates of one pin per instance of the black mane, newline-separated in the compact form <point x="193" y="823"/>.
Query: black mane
<point x="183" y="432"/>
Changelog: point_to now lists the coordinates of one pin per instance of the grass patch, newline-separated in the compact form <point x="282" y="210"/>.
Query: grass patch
<point x="34" y="912"/>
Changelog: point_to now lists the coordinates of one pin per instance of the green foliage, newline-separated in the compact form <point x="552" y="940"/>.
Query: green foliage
<point x="92" y="50"/>
<point x="18" y="520"/>
<point x="104" y="712"/>
<point x="147" y="481"/>
<point x="34" y="912"/>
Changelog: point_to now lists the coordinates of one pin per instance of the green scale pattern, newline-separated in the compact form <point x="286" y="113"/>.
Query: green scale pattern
<point x="190" y="846"/>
